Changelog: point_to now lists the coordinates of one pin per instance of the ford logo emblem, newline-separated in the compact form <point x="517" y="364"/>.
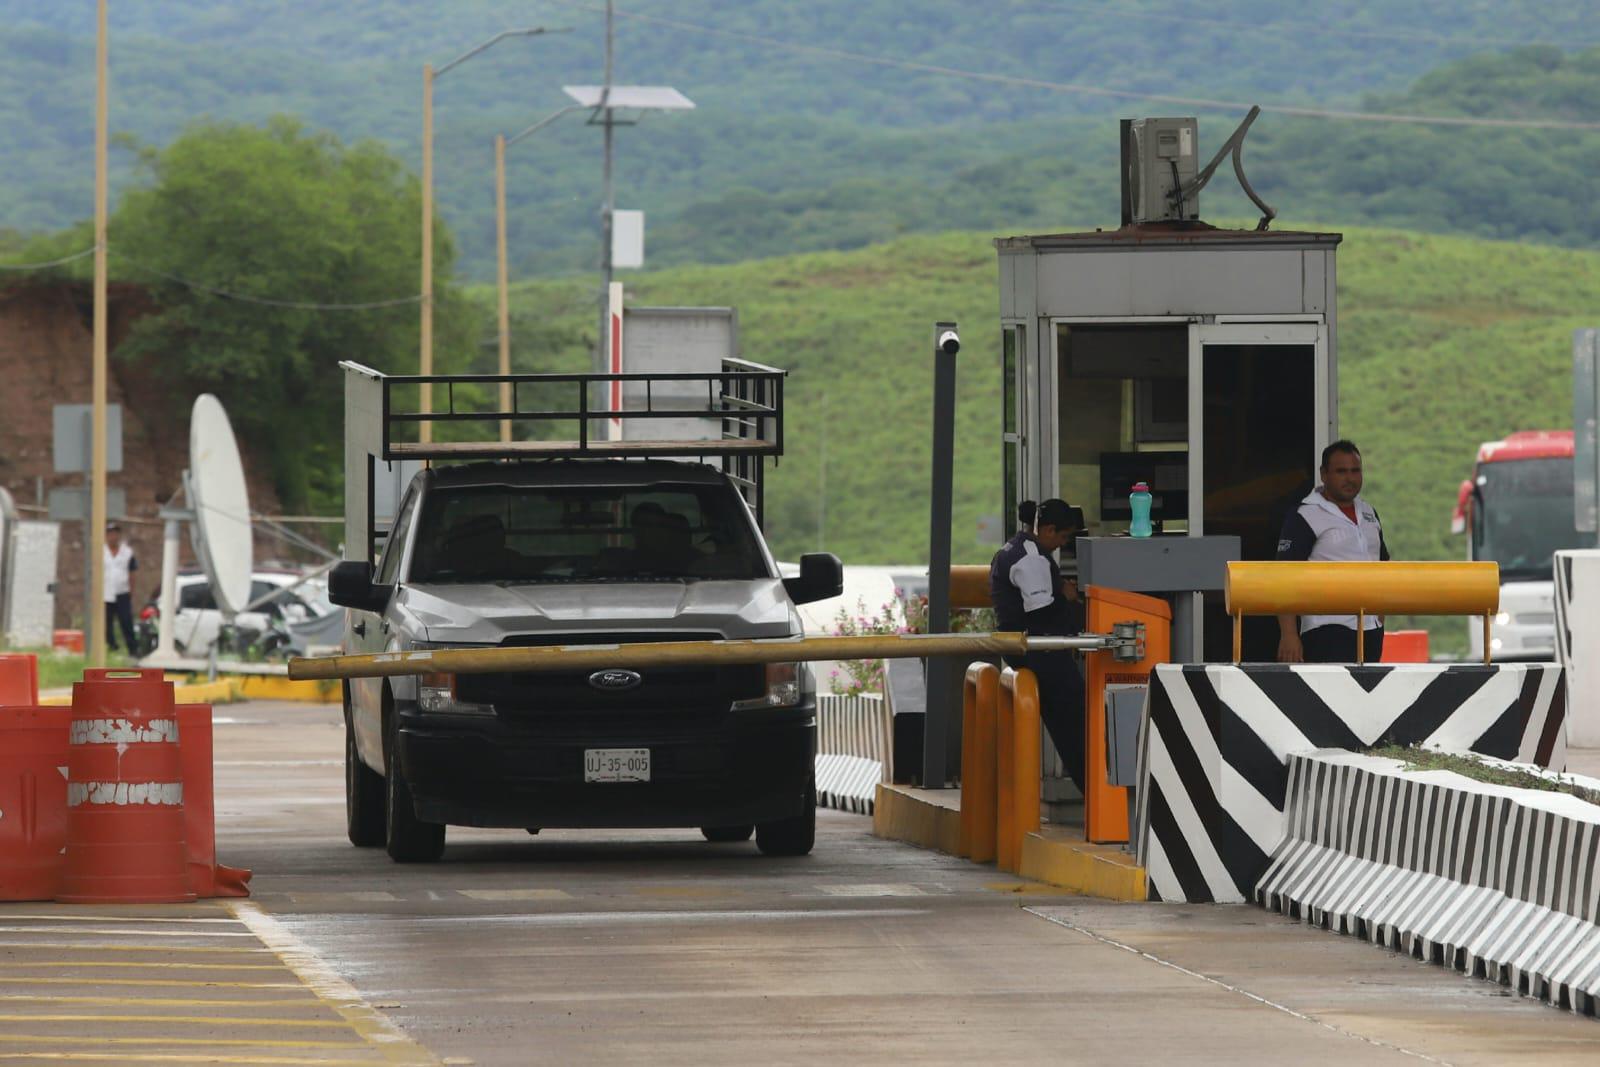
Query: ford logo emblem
<point x="615" y="681"/>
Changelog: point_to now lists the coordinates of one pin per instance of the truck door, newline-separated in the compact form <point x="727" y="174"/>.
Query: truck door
<point x="368" y="633"/>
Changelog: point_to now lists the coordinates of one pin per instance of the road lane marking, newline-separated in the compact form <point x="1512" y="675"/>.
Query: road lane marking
<point x="516" y="894"/>
<point x="103" y="947"/>
<point x="582" y="918"/>
<point x="178" y="1057"/>
<point x="146" y="964"/>
<point x="196" y="983"/>
<point x="231" y="1042"/>
<point x="171" y="1002"/>
<point x="1274" y="1005"/>
<point x="872" y="890"/>
<point x="371" y="1025"/>
<point x="198" y="1020"/>
<point x="117" y="930"/>
<point x="79" y="918"/>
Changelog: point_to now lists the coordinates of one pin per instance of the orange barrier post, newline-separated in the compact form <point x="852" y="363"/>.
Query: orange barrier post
<point x="67" y="641"/>
<point x="978" y="762"/>
<point x="1405" y="646"/>
<point x="125" y="821"/>
<point x="19" y="678"/>
<point x="1006" y="856"/>
<point x="1025" y="786"/>
<point x="207" y="877"/>
<point x="33" y="800"/>
<point x="1105" y="806"/>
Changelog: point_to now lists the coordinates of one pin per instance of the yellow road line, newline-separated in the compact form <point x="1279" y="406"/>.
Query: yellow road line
<point x="220" y="1020"/>
<point x="63" y="917"/>
<point x="373" y="1026"/>
<point x="121" y="930"/>
<point x="234" y="1002"/>
<point x="231" y="1042"/>
<point x="148" y="964"/>
<point x="202" y="983"/>
<point x="102" y="947"/>
<point x="178" y="1057"/>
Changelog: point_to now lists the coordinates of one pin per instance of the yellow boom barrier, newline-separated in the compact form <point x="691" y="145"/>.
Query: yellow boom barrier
<point x="677" y="653"/>
<point x="1362" y="589"/>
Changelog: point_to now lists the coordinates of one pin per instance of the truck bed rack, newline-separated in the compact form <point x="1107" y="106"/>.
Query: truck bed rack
<point x="744" y="399"/>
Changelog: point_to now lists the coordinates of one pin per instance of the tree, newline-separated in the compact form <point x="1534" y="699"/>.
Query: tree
<point x="288" y="223"/>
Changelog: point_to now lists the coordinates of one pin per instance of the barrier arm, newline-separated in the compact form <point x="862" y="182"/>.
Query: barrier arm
<point x="542" y="658"/>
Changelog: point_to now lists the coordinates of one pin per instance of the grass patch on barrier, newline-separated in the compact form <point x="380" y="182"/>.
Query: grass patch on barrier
<point x="1469" y="766"/>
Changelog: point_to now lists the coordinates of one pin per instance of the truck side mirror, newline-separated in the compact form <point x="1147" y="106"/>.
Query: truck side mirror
<point x="821" y="577"/>
<point x="350" y="586"/>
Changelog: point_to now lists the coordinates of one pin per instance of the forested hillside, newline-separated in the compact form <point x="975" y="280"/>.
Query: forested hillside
<point x="803" y="141"/>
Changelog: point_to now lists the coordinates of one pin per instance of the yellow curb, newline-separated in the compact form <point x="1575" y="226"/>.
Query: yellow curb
<point x="220" y="691"/>
<point x="272" y="687"/>
<point x="1057" y="855"/>
<point x="1061" y="857"/>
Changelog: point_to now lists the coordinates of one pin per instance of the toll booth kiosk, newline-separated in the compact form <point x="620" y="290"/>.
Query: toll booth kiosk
<point x="1199" y="360"/>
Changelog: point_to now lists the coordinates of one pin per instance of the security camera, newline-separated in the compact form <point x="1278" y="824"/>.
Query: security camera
<point x="949" y="342"/>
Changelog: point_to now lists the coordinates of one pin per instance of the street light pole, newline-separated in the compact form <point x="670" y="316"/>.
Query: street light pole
<point x="504" y="281"/>
<point x="602" y="365"/>
<point x="94" y="543"/>
<point x="425" y="361"/>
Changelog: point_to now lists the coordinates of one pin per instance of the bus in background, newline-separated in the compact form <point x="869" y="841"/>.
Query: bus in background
<point x="1516" y="510"/>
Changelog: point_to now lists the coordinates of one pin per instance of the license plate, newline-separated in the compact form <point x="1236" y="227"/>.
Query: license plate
<point x="616" y="764"/>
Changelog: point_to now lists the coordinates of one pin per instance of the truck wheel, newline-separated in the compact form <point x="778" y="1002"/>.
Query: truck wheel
<point x="409" y="839"/>
<point x="363" y="790"/>
<point x="793" y="836"/>
<point x="728" y="833"/>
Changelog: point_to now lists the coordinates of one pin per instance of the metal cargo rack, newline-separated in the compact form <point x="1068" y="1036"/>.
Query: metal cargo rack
<point x="745" y="397"/>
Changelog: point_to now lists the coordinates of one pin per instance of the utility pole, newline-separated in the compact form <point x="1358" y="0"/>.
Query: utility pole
<point x="425" y="363"/>
<point x="502" y="279"/>
<point x="604" y="335"/>
<point x="94" y="543"/>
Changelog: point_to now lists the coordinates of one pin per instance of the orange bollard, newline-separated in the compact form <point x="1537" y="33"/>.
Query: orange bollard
<point x="978" y="762"/>
<point x="19" y="678"/>
<point x="33" y="800"/>
<point x="1405" y="646"/>
<point x="207" y="877"/>
<point x="1006" y="856"/>
<point x="67" y="641"/>
<point x="125" y="821"/>
<point x="1024" y="786"/>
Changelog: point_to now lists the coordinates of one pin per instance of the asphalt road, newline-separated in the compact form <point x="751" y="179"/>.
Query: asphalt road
<point x="658" y="947"/>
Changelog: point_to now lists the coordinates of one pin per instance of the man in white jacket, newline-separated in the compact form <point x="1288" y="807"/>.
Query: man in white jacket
<point x="1333" y="522"/>
<point x="119" y="567"/>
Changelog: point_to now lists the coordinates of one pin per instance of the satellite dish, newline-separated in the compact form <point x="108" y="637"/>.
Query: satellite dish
<point x="222" y="536"/>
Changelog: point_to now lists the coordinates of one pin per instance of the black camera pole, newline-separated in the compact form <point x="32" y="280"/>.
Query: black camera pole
<point x="941" y="725"/>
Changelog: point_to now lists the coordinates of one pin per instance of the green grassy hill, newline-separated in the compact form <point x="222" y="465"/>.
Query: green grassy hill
<point x="1444" y="342"/>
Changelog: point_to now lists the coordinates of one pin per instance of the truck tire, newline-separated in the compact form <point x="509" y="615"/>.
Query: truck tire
<point x="793" y="836"/>
<point x="363" y="790"/>
<point x="728" y="833"/>
<point x="408" y="839"/>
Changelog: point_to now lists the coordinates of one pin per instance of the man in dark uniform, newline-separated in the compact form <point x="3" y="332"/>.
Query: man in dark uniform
<point x="1028" y="594"/>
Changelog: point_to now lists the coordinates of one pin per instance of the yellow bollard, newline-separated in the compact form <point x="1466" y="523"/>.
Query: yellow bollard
<point x="1006" y="855"/>
<point x="978" y="762"/>
<point x="1017" y="745"/>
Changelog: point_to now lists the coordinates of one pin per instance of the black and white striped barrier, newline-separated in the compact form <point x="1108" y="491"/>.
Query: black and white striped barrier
<point x="1577" y="602"/>
<point x="1214" y="754"/>
<point x="1496" y="882"/>
<point x="855" y="739"/>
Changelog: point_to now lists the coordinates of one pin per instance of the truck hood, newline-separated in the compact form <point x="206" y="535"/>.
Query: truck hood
<point x="491" y="613"/>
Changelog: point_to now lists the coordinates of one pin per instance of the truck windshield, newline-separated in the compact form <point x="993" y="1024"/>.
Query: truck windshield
<point x="1523" y="514"/>
<point x="508" y="533"/>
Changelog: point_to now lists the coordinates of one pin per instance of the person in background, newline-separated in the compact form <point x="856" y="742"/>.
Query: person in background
<point x="120" y="563"/>
<point x="1029" y="595"/>
<point x="1333" y="522"/>
<point x="1025" y="515"/>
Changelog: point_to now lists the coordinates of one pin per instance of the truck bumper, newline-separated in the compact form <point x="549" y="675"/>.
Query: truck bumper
<point x="747" y="767"/>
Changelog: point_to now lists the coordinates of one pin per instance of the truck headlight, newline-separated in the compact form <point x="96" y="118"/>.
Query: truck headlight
<point x="784" y="689"/>
<point x="436" y="693"/>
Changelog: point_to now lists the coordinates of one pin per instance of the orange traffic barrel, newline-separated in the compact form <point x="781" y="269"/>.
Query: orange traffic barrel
<point x="125" y="822"/>
<point x="19" y="678"/>
<point x="1405" y="646"/>
<point x="33" y="800"/>
<point x="207" y="877"/>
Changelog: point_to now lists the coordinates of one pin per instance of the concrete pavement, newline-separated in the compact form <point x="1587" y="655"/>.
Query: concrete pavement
<point x="656" y="946"/>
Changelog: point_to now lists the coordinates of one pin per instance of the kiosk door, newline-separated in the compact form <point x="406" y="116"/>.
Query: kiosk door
<point x="1260" y="414"/>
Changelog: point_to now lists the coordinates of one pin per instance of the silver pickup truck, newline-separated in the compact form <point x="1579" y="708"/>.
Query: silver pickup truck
<point x="583" y="548"/>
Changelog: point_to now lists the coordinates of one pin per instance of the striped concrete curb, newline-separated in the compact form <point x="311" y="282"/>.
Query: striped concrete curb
<point x="848" y="783"/>
<point x="855" y="738"/>
<point x="1493" y="881"/>
<point x="1214" y="755"/>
